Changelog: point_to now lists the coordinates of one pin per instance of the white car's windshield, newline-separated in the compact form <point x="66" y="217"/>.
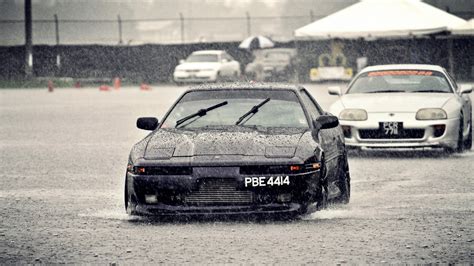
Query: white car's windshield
<point x="195" y="58"/>
<point x="282" y="110"/>
<point x="392" y="81"/>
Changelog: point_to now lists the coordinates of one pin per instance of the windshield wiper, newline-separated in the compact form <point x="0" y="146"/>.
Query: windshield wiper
<point x="252" y="111"/>
<point x="200" y="113"/>
<point x="383" y="91"/>
<point x="430" y="91"/>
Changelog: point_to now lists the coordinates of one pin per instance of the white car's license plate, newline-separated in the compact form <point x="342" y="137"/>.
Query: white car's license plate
<point x="267" y="181"/>
<point x="391" y="128"/>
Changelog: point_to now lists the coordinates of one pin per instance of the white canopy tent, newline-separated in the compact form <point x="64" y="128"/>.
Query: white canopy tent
<point x="373" y="19"/>
<point x="464" y="29"/>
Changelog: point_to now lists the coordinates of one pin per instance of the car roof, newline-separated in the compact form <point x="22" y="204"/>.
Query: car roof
<point x="403" y="67"/>
<point x="246" y="86"/>
<point x="209" y="52"/>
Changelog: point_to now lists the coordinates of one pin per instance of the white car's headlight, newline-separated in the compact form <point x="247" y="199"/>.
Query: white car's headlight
<point x="353" y="115"/>
<point x="431" y="114"/>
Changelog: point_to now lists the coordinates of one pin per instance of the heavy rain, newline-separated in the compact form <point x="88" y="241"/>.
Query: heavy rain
<point x="76" y="75"/>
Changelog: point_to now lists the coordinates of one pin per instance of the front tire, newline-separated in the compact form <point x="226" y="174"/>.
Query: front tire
<point x="344" y="186"/>
<point x="468" y="141"/>
<point x="130" y="204"/>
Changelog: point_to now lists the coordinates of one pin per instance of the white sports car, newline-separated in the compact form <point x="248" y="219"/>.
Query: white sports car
<point x="207" y="66"/>
<point x="405" y="106"/>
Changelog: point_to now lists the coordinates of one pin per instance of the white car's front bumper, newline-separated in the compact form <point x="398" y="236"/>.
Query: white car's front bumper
<point x="197" y="76"/>
<point x="414" y="134"/>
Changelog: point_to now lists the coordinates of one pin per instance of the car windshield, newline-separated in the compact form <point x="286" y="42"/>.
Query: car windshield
<point x="194" y="58"/>
<point x="393" y="81"/>
<point x="283" y="110"/>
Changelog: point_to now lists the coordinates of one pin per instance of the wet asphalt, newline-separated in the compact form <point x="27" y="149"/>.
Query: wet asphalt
<point x="63" y="158"/>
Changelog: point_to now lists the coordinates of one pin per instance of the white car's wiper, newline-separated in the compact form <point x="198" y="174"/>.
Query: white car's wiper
<point x="431" y="91"/>
<point x="384" y="91"/>
<point x="252" y="111"/>
<point x="200" y="113"/>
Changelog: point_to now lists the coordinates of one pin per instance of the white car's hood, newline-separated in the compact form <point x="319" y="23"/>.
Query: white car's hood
<point x="198" y="66"/>
<point x="395" y="102"/>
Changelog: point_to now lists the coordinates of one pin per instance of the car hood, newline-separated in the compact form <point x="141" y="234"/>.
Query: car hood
<point x="198" y="66"/>
<point x="167" y="143"/>
<point x="395" y="102"/>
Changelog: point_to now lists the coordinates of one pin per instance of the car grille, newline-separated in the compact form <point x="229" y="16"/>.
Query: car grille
<point x="403" y="134"/>
<point x="219" y="192"/>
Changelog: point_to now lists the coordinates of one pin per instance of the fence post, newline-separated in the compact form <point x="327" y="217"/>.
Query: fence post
<point x="249" y="29"/>
<point x="181" y="18"/>
<point x="119" y="20"/>
<point x="58" y="57"/>
<point x="28" y="40"/>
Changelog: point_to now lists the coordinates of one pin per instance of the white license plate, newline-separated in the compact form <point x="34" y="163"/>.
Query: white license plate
<point x="391" y="128"/>
<point x="267" y="181"/>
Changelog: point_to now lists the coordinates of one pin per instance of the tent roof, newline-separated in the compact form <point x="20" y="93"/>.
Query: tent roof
<point x="380" y="19"/>
<point x="464" y="29"/>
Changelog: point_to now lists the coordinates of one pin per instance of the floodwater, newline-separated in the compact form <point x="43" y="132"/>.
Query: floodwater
<point x="63" y="158"/>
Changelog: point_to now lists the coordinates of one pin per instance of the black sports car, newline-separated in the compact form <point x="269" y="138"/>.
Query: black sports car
<point x="238" y="149"/>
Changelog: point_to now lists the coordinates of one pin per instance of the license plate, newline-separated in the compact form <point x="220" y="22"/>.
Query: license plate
<point x="391" y="128"/>
<point x="267" y="181"/>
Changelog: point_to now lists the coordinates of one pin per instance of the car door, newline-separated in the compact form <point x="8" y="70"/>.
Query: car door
<point x="331" y="140"/>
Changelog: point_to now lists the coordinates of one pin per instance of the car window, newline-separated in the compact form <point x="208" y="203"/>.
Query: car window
<point x="401" y="81"/>
<point x="453" y="81"/>
<point x="196" y="58"/>
<point x="283" y="110"/>
<point x="312" y="108"/>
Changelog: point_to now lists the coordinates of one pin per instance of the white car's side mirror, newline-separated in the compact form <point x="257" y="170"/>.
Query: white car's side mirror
<point x="335" y="90"/>
<point x="224" y="60"/>
<point x="181" y="61"/>
<point x="465" y="88"/>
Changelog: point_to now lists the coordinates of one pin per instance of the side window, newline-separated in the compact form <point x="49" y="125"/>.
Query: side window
<point x="312" y="107"/>
<point x="228" y="57"/>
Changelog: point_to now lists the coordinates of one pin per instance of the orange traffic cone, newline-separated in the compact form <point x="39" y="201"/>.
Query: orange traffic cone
<point x="104" y="88"/>
<point x="50" y="86"/>
<point x="145" y="87"/>
<point x="117" y="83"/>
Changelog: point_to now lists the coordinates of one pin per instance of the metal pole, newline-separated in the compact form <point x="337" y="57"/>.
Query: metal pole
<point x="311" y="16"/>
<point x="28" y="40"/>
<point x="249" y="29"/>
<point x="58" y="57"/>
<point x="181" y="18"/>
<point x="119" y="20"/>
<point x="450" y="56"/>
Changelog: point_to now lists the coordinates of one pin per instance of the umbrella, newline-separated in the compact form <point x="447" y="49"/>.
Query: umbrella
<point x="256" y="42"/>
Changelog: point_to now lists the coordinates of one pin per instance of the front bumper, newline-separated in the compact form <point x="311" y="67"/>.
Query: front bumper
<point x="427" y="138"/>
<point x="186" y="194"/>
<point x="193" y="77"/>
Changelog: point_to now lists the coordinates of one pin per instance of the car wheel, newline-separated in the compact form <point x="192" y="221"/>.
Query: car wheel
<point x="468" y="141"/>
<point x="344" y="185"/>
<point x="460" y="143"/>
<point x="322" y="192"/>
<point x="129" y="202"/>
<point x="219" y="77"/>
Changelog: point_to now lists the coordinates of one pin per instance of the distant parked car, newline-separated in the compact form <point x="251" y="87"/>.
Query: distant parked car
<point x="272" y="65"/>
<point x="405" y="106"/>
<point x="207" y="66"/>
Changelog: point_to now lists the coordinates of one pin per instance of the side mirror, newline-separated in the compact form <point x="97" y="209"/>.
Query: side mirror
<point x="465" y="88"/>
<point x="147" y="123"/>
<point x="335" y="90"/>
<point x="181" y="61"/>
<point x="224" y="60"/>
<point x="326" y="121"/>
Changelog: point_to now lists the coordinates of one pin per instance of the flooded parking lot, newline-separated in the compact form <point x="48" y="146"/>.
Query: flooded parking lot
<point x="63" y="159"/>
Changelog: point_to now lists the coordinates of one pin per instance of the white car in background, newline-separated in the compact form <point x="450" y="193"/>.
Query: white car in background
<point x="207" y="66"/>
<point x="405" y="106"/>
